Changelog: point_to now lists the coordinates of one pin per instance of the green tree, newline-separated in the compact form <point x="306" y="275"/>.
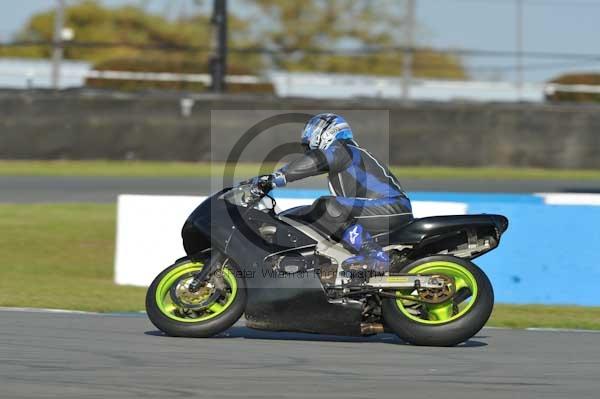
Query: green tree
<point x="141" y="30"/>
<point x="324" y="25"/>
<point x="284" y="27"/>
<point x="586" y="79"/>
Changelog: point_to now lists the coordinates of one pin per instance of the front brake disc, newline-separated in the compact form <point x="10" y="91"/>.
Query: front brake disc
<point x="184" y="298"/>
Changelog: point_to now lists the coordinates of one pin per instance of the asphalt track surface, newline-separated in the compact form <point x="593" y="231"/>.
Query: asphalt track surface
<point x="46" y="355"/>
<point x="19" y="189"/>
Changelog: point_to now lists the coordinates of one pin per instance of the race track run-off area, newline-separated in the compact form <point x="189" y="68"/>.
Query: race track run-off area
<point x="70" y="355"/>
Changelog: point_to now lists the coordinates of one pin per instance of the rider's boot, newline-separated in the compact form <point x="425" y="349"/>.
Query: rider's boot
<point x="370" y="258"/>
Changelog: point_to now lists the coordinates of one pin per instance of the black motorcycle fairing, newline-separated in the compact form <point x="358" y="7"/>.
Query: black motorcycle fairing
<point x="195" y="227"/>
<point x="419" y="229"/>
<point x="435" y="234"/>
<point x="274" y="303"/>
<point x="236" y="230"/>
<point x="194" y="242"/>
<point x="302" y="307"/>
<point x="298" y="214"/>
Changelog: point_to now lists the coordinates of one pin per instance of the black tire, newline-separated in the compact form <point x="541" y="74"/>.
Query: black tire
<point x="201" y="329"/>
<point x="453" y="332"/>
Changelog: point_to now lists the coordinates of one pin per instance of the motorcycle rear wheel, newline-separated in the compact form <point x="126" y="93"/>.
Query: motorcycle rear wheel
<point x="451" y="322"/>
<point x="175" y="320"/>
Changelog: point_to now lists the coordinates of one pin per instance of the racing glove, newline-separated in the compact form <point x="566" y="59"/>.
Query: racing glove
<point x="266" y="183"/>
<point x="278" y="179"/>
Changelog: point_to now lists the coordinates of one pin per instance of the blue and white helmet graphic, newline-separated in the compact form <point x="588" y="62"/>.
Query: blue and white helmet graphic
<point x="323" y="129"/>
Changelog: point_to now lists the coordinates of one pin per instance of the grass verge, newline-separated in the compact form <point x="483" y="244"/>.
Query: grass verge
<point x="543" y="316"/>
<point x="61" y="256"/>
<point x="190" y="169"/>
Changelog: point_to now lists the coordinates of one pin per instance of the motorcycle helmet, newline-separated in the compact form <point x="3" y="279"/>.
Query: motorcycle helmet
<point x="323" y="129"/>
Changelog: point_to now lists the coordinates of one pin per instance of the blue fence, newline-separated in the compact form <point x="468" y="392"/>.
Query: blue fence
<point x="545" y="255"/>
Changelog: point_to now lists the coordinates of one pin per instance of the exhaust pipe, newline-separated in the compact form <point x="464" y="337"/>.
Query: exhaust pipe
<point x="371" y="328"/>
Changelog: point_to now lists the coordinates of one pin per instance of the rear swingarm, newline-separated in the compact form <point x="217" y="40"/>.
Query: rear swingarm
<point x="428" y="288"/>
<point x="408" y="281"/>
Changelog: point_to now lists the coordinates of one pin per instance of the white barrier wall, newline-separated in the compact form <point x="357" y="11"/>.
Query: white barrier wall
<point x="149" y="231"/>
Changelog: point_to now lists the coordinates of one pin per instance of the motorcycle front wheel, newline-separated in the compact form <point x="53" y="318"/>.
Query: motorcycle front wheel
<point x="212" y="309"/>
<point x="448" y="323"/>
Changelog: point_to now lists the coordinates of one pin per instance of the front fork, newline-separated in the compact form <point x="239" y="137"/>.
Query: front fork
<point x="216" y="261"/>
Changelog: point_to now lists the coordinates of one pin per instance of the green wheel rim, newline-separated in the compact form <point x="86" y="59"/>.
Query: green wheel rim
<point x="445" y="311"/>
<point x="169" y="309"/>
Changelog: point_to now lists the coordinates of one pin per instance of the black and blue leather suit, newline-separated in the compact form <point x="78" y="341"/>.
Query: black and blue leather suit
<point x="364" y="191"/>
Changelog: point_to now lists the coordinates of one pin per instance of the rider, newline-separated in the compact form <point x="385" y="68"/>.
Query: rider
<point x="366" y="197"/>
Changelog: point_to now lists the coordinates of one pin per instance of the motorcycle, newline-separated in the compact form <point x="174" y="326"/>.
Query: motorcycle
<point x="245" y="257"/>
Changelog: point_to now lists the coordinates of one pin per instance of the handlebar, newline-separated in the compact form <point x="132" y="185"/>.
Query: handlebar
<point x="246" y="194"/>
